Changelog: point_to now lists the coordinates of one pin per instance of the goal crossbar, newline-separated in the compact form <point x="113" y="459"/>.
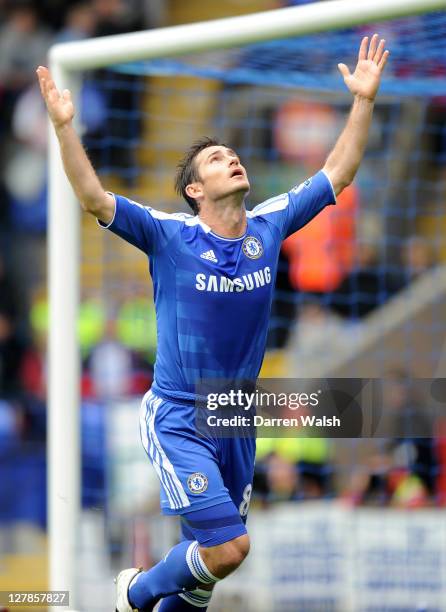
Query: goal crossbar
<point x="66" y="62"/>
<point x="234" y="31"/>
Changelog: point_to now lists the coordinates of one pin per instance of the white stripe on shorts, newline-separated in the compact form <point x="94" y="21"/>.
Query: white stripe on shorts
<point x="148" y="444"/>
<point x="166" y="473"/>
<point x="165" y="477"/>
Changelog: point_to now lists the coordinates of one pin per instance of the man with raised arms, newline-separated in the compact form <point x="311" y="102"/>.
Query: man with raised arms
<point x="213" y="275"/>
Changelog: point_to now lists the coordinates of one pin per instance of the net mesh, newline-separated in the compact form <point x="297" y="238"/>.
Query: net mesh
<point x="417" y="68"/>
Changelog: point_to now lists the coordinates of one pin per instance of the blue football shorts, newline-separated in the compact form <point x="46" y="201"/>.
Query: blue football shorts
<point x="195" y="472"/>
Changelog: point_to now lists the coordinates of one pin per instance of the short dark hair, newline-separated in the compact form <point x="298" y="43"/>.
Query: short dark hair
<point x="187" y="171"/>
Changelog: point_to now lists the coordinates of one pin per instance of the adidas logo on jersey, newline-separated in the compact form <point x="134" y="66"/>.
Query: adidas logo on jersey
<point x="209" y="255"/>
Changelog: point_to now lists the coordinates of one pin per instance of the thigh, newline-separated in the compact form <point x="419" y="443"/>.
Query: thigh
<point x="187" y="465"/>
<point x="237" y="469"/>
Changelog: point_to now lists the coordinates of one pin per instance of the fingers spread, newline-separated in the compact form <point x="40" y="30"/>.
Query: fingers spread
<point x="51" y="90"/>
<point x="42" y="85"/>
<point x="53" y="96"/>
<point x="383" y="60"/>
<point x="372" y="48"/>
<point x="47" y="86"/>
<point x="344" y="70"/>
<point x="379" y="51"/>
<point x="363" y="48"/>
<point x="43" y="70"/>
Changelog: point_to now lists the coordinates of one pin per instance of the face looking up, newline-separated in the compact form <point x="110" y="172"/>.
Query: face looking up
<point x="220" y="175"/>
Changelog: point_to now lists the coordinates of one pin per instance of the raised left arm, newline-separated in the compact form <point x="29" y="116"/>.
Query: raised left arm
<point x="343" y="162"/>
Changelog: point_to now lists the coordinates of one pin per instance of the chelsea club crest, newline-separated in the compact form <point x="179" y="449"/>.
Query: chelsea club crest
<point x="252" y="247"/>
<point x="197" y="482"/>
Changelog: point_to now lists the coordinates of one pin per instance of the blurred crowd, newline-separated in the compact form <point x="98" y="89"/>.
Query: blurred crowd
<point x="27" y="30"/>
<point x="326" y="276"/>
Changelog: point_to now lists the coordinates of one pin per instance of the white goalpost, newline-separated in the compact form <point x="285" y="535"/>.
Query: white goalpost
<point x="66" y="62"/>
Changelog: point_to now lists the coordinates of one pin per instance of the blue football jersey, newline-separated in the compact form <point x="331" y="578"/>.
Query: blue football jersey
<point x="213" y="294"/>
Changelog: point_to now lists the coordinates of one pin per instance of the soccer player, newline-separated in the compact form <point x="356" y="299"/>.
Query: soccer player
<point x="213" y="275"/>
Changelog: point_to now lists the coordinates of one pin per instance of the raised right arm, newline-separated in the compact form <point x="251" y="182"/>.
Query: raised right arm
<point x="84" y="180"/>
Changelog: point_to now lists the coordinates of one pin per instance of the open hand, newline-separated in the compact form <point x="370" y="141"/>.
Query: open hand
<point x="60" y="105"/>
<point x="365" y="80"/>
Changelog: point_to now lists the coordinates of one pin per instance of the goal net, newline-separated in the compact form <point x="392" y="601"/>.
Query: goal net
<point x="361" y="291"/>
